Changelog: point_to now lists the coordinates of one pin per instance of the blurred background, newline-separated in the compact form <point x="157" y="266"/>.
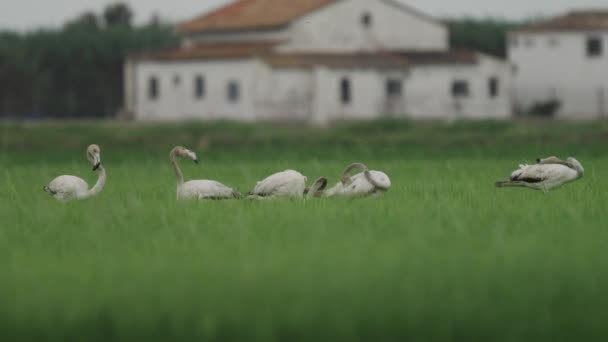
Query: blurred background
<point x="307" y="61"/>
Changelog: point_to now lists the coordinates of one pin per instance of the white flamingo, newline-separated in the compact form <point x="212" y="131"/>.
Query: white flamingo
<point x="67" y="188"/>
<point x="198" y="189"/>
<point x="366" y="183"/>
<point x="548" y="174"/>
<point x="288" y="183"/>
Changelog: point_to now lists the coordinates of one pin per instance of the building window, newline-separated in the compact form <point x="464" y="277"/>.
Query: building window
<point x="177" y="80"/>
<point x="233" y="91"/>
<point x="153" y="88"/>
<point x="594" y="47"/>
<point x="493" y="87"/>
<point x="366" y="19"/>
<point x="394" y="88"/>
<point x="460" y="89"/>
<point x="199" y="87"/>
<point x="553" y="42"/>
<point x="513" y="41"/>
<point x="345" y="91"/>
<point x="529" y="42"/>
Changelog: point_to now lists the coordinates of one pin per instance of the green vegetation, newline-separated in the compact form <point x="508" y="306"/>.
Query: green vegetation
<point x="443" y="256"/>
<point x="488" y="35"/>
<point x="77" y="70"/>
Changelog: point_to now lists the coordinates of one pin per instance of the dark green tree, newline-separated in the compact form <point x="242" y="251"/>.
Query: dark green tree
<point x="487" y="35"/>
<point x="76" y="71"/>
<point x="87" y="20"/>
<point x="118" y="14"/>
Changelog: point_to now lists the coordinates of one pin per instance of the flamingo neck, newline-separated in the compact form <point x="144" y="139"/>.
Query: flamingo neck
<point x="101" y="182"/>
<point x="178" y="172"/>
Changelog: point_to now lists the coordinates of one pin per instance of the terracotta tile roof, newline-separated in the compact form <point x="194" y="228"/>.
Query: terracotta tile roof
<point x="265" y="51"/>
<point x="573" y="21"/>
<point x="252" y="14"/>
<point x="336" y="60"/>
<point x="440" y="57"/>
<point x="230" y="50"/>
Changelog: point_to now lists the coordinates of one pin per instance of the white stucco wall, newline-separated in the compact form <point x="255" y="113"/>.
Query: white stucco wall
<point x="429" y="91"/>
<point x="284" y="94"/>
<point x="314" y="94"/>
<point x="338" y="28"/>
<point x="555" y="65"/>
<point x="177" y="101"/>
<point x="368" y="94"/>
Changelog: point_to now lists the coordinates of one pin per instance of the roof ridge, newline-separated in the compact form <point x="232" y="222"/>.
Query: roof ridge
<point x="251" y="14"/>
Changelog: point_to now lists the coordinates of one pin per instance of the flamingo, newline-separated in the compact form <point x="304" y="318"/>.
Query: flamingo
<point x="288" y="183"/>
<point x="66" y="188"/>
<point x="316" y="190"/>
<point x="198" y="189"/>
<point x="366" y="183"/>
<point x="547" y="174"/>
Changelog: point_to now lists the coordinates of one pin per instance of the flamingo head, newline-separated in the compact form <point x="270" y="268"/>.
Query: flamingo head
<point x="577" y="166"/>
<point x="94" y="156"/>
<point x="184" y="152"/>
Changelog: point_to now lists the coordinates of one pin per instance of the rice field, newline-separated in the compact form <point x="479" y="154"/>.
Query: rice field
<point x="442" y="256"/>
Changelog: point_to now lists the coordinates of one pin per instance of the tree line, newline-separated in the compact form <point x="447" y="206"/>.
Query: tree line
<point x="76" y="71"/>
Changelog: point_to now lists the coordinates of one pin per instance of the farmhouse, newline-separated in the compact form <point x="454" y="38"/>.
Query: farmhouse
<point x="563" y="60"/>
<point x="315" y="61"/>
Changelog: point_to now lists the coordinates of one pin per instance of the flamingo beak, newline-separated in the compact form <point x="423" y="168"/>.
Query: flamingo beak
<point x="97" y="162"/>
<point x="195" y="161"/>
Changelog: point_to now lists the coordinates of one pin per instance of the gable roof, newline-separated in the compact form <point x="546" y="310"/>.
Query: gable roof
<point x="241" y="15"/>
<point x="252" y="14"/>
<point x="590" y="20"/>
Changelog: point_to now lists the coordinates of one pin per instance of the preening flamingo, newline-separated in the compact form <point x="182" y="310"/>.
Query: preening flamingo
<point x="366" y="183"/>
<point x="288" y="183"/>
<point x="548" y="174"/>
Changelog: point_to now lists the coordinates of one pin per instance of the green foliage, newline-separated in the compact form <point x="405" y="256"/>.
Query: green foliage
<point x="75" y="71"/>
<point x="442" y="256"/>
<point x="118" y="14"/>
<point x="486" y="35"/>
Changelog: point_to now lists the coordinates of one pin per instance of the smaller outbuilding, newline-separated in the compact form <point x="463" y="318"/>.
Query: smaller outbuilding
<point x="561" y="65"/>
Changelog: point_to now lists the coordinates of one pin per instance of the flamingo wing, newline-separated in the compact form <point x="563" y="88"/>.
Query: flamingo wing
<point x="288" y="182"/>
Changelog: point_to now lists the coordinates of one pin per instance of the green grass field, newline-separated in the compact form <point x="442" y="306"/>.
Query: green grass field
<point x="442" y="256"/>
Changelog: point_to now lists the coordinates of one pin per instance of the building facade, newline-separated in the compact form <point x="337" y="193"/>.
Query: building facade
<point x="562" y="60"/>
<point x="315" y="61"/>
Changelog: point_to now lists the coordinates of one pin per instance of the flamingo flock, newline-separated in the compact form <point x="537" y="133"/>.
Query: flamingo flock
<point x="547" y="174"/>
